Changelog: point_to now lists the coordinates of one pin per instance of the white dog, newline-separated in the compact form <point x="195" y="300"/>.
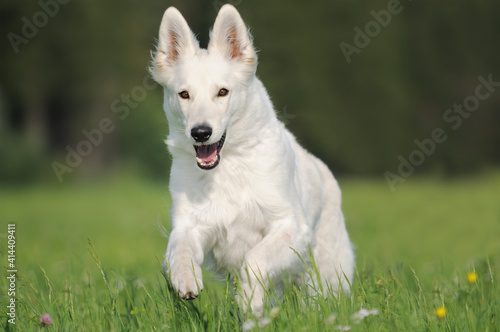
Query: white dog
<point x="244" y="192"/>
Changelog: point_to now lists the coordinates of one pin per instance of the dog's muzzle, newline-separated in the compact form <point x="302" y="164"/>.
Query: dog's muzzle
<point x="208" y="155"/>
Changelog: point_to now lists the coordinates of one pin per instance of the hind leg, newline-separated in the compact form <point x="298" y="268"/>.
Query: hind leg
<point x="268" y="261"/>
<point x="333" y="253"/>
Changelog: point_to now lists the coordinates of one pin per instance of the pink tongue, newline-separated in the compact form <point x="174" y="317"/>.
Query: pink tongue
<point x="207" y="153"/>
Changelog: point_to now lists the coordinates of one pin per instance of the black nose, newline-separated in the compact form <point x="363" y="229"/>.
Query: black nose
<point x="201" y="133"/>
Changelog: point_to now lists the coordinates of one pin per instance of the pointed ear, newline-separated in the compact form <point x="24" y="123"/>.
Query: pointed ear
<point x="231" y="36"/>
<point x="175" y="38"/>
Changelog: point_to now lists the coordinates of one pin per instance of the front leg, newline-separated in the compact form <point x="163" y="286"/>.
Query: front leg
<point x="275" y="254"/>
<point x="183" y="259"/>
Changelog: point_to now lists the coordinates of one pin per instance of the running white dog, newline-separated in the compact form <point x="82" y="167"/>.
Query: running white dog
<point x="244" y="192"/>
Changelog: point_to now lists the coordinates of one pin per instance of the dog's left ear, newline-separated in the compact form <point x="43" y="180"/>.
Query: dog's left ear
<point x="230" y="35"/>
<point x="175" y="39"/>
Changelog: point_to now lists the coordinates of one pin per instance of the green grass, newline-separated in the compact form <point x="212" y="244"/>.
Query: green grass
<point x="89" y="256"/>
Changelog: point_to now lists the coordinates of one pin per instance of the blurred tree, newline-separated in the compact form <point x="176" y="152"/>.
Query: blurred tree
<point x="65" y="78"/>
<point x="65" y="74"/>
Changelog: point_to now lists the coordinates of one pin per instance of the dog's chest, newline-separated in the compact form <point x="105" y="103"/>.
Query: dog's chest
<point x="234" y="240"/>
<point x="236" y="220"/>
<point x="233" y="208"/>
<point x="233" y="243"/>
<point x="236" y="225"/>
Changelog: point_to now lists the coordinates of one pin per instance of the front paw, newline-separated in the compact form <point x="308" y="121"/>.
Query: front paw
<point x="187" y="281"/>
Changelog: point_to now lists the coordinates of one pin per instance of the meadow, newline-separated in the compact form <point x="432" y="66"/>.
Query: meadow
<point x="89" y="255"/>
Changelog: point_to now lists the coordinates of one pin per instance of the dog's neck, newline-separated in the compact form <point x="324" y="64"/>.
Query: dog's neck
<point x="258" y="112"/>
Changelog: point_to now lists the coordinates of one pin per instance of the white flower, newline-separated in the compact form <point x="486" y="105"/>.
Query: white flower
<point x="138" y="283"/>
<point x="331" y="319"/>
<point x="343" y="327"/>
<point x="363" y="313"/>
<point x="264" y="322"/>
<point x="119" y="286"/>
<point x="248" y="325"/>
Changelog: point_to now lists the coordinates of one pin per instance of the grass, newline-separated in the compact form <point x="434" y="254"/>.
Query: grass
<point x="89" y="256"/>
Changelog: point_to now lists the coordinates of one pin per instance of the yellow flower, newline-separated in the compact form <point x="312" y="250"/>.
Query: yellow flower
<point x="440" y="312"/>
<point x="472" y="277"/>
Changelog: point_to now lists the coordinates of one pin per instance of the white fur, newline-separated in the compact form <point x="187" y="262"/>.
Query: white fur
<point x="269" y="200"/>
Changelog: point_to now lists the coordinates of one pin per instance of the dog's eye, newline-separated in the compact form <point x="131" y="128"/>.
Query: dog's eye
<point x="223" y="92"/>
<point x="184" y="94"/>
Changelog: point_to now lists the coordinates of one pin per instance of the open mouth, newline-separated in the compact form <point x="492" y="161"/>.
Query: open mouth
<point x="207" y="155"/>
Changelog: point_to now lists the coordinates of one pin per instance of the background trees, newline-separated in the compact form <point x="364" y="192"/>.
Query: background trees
<point x="358" y="116"/>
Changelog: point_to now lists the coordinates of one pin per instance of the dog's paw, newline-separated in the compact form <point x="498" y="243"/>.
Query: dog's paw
<point x="251" y="300"/>
<point x="187" y="281"/>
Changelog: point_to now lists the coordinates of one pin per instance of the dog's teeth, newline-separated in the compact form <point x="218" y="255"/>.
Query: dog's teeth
<point x="202" y="162"/>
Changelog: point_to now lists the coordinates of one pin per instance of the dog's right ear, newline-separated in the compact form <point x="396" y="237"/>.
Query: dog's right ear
<point x="231" y="37"/>
<point x="175" y="39"/>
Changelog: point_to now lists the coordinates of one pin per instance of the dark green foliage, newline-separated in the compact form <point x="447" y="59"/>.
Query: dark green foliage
<point x="357" y="116"/>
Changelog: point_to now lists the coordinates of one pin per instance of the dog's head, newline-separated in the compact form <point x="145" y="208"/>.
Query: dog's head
<point x="204" y="88"/>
